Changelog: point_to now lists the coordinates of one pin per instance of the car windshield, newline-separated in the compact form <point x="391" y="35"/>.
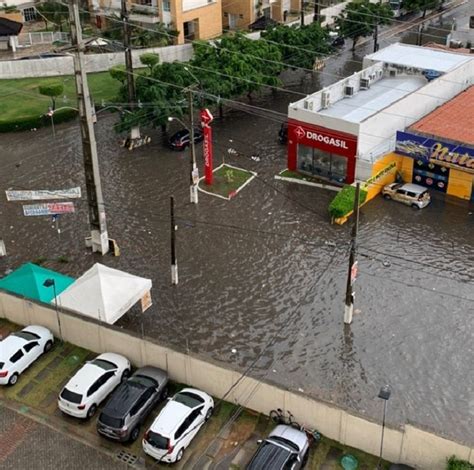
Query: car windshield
<point x="111" y="421"/>
<point x="188" y="399"/>
<point x="286" y="442"/>
<point x="143" y="381"/>
<point x="71" y="396"/>
<point x="103" y="364"/>
<point x="269" y="455"/>
<point x="26" y="335"/>
<point x="156" y="440"/>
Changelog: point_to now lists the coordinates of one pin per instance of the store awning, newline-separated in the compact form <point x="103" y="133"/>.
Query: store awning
<point x="28" y="281"/>
<point x="104" y="293"/>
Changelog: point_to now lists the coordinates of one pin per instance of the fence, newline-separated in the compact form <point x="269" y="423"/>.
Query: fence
<point x="409" y="444"/>
<point x="46" y="37"/>
<point x="55" y="66"/>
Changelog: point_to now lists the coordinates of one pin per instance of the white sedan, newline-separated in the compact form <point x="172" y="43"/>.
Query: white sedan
<point x="92" y="384"/>
<point x="177" y="424"/>
<point x="20" y="349"/>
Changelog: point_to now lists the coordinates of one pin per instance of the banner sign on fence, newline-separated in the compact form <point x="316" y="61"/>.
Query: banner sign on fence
<point x="49" y="208"/>
<point x="72" y="193"/>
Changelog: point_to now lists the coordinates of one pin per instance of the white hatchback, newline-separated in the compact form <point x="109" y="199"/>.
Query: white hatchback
<point x="92" y="384"/>
<point x="177" y="424"/>
<point x="20" y="349"/>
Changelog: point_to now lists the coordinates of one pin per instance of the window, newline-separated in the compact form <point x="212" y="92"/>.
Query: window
<point x="26" y="335"/>
<point x="103" y="364"/>
<point x="28" y="347"/>
<point x="17" y="356"/>
<point x="290" y="462"/>
<point x="166" y="5"/>
<point x="94" y="387"/>
<point x="189" y="399"/>
<point x="180" y="431"/>
<point x="29" y="14"/>
<point x="157" y="440"/>
<point x="71" y="396"/>
<point x="323" y="164"/>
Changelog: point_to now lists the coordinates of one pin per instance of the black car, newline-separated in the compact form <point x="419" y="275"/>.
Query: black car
<point x="181" y="139"/>
<point x="283" y="133"/>
<point x="131" y="403"/>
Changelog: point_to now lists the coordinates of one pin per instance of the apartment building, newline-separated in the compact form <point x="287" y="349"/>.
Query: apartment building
<point x="194" y="19"/>
<point x="239" y="14"/>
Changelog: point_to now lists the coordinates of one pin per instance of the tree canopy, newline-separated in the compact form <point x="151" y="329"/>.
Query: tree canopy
<point x="360" y="18"/>
<point x="420" y="5"/>
<point x="52" y="12"/>
<point x="53" y="90"/>
<point x="299" y="45"/>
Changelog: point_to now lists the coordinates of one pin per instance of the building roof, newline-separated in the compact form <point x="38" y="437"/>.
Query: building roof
<point x="443" y="47"/>
<point x="419" y="57"/>
<point x="380" y="95"/>
<point x="9" y="27"/>
<point x="453" y="120"/>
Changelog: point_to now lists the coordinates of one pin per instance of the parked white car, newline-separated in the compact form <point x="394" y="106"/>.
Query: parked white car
<point x="20" y="349"/>
<point x="92" y="384"/>
<point x="177" y="424"/>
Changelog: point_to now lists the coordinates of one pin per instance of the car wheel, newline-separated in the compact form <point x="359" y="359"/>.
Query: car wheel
<point x="179" y="456"/>
<point x="209" y="414"/>
<point x="125" y="375"/>
<point x="48" y="346"/>
<point x="387" y="197"/>
<point x="13" y="379"/>
<point x="134" y="434"/>
<point x="91" y="411"/>
<point x="415" y="206"/>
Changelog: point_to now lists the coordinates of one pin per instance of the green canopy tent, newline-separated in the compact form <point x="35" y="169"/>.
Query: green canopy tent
<point x="28" y="281"/>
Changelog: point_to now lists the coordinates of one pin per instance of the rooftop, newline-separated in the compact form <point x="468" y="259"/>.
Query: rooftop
<point x="453" y="120"/>
<point x="419" y="57"/>
<point x="381" y="94"/>
<point x="9" y="27"/>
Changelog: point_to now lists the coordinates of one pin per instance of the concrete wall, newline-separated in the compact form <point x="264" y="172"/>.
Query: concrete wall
<point x="409" y="445"/>
<point x="51" y="67"/>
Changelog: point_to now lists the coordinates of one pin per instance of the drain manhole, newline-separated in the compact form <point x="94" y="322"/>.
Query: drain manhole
<point x="127" y="457"/>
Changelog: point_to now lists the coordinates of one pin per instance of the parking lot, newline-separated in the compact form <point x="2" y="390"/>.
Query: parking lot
<point x="227" y="441"/>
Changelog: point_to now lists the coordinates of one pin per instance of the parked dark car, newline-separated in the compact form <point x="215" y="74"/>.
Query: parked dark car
<point x="285" y="448"/>
<point x="181" y="139"/>
<point x="131" y="403"/>
<point x="283" y="133"/>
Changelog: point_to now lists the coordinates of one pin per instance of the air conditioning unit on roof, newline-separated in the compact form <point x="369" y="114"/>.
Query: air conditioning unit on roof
<point x="348" y="90"/>
<point x="325" y="99"/>
<point x="364" y="83"/>
<point x="307" y="104"/>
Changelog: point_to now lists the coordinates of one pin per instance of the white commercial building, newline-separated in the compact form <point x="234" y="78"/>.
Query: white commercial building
<point x="339" y="132"/>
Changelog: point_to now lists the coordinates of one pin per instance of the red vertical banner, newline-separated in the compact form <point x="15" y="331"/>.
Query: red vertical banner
<point x="206" y="119"/>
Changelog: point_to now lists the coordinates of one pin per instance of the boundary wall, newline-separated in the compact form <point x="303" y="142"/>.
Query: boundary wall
<point x="55" y="66"/>
<point x="409" y="444"/>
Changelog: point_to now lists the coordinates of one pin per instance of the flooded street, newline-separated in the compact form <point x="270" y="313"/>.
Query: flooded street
<point x="265" y="273"/>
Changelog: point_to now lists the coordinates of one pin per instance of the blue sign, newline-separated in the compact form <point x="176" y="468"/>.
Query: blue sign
<point x="460" y="157"/>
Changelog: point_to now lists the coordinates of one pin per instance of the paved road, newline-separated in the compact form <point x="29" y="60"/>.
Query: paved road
<point x="28" y="444"/>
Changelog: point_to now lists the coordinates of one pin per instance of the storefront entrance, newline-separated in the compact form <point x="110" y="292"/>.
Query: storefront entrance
<point x="323" y="164"/>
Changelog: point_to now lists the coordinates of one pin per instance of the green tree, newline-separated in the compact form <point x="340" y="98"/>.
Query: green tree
<point x="118" y="72"/>
<point x="300" y="45"/>
<point x="359" y="19"/>
<point x="53" y="90"/>
<point x="149" y="59"/>
<point x="52" y="12"/>
<point x="421" y="5"/>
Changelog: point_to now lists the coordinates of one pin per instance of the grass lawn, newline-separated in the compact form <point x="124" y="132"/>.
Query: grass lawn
<point x="228" y="180"/>
<point x="20" y="99"/>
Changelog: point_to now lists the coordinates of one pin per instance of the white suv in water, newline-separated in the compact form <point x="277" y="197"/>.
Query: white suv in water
<point x="412" y="195"/>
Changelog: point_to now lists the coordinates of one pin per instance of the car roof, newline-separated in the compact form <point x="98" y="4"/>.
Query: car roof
<point x="10" y="345"/>
<point x="269" y="455"/>
<point x="84" y="378"/>
<point x="414" y="188"/>
<point x="290" y="434"/>
<point x="170" y="417"/>
<point x="124" y="397"/>
<point x="153" y="372"/>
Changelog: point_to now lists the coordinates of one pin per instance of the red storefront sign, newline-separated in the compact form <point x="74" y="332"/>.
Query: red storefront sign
<point x="206" y="119"/>
<point x="327" y="140"/>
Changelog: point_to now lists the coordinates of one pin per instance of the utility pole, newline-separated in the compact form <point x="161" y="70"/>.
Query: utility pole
<point x="351" y="275"/>
<point x="174" y="261"/>
<point x="419" y="40"/>
<point x="302" y="13"/>
<point x="193" y="167"/>
<point x="376" y="34"/>
<point x="316" y="11"/>
<point x="99" y="240"/>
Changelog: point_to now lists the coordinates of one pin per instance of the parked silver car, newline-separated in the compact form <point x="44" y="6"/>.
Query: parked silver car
<point x="410" y="194"/>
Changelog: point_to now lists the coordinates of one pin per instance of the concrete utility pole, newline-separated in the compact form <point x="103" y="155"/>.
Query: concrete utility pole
<point x="316" y="11"/>
<point x="351" y="275"/>
<point x="193" y="167"/>
<point x="99" y="240"/>
<point x="302" y="13"/>
<point x="174" y="261"/>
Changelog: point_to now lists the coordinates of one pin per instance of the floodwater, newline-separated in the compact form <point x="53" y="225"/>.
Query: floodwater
<point x="265" y="273"/>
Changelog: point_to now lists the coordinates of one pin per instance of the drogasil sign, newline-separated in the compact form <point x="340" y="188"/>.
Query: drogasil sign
<point x="301" y="133"/>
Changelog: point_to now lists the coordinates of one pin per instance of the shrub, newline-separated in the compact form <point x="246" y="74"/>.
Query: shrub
<point x="457" y="464"/>
<point x="343" y="203"/>
<point x="149" y="59"/>
<point x="53" y="90"/>
<point x="35" y="122"/>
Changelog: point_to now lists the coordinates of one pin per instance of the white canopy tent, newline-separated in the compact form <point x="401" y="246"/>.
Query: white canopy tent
<point x="104" y="293"/>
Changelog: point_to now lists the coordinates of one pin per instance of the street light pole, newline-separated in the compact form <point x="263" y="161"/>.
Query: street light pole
<point x="384" y="394"/>
<point x="174" y="261"/>
<point x="52" y="283"/>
